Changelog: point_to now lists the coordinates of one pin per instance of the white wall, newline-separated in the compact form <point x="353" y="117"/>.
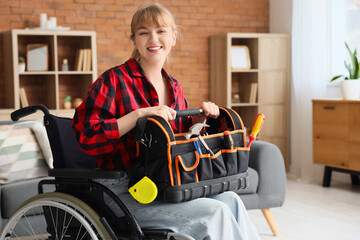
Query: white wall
<point x="280" y="16"/>
<point x="281" y="22"/>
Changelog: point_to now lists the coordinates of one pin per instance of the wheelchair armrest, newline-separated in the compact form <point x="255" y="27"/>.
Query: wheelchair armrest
<point x="85" y="173"/>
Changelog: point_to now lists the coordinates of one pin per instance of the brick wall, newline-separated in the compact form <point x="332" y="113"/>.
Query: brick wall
<point x="198" y="20"/>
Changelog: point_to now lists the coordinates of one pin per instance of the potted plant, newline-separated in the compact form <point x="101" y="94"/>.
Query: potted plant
<point x="21" y="64"/>
<point x="67" y="102"/>
<point x="350" y="87"/>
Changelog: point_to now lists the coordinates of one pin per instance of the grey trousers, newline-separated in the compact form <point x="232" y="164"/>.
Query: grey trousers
<point x="219" y="217"/>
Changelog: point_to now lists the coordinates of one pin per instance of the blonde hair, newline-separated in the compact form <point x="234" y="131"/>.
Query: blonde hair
<point x="150" y="14"/>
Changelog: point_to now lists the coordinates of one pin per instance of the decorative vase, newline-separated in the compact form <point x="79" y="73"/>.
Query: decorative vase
<point x="21" y="67"/>
<point x="67" y="105"/>
<point x="350" y="89"/>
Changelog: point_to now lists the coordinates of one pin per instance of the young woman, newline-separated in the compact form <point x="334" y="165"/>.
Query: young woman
<point x="140" y="87"/>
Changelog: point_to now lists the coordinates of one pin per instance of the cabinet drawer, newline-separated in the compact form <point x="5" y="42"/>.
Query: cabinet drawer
<point x="331" y="152"/>
<point x="330" y="113"/>
<point x="330" y="145"/>
<point x="354" y="156"/>
<point x="354" y="123"/>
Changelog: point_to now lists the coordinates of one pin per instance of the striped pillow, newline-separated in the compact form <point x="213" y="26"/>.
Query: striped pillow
<point x="20" y="155"/>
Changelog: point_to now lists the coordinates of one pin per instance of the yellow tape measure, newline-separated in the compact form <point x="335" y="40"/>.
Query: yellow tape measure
<point x="144" y="191"/>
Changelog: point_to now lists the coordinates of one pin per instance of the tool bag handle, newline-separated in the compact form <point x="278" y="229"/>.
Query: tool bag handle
<point x="189" y="112"/>
<point x="141" y="122"/>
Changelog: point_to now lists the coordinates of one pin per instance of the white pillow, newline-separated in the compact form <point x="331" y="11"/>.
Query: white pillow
<point x="21" y="157"/>
<point x="42" y="138"/>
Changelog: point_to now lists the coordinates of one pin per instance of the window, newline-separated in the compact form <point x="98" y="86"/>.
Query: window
<point x="345" y="26"/>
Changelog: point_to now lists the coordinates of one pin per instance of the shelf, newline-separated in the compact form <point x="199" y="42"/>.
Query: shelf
<point x="244" y="71"/>
<point x="244" y="105"/>
<point x="75" y="72"/>
<point x="48" y="87"/>
<point x="37" y="73"/>
<point x="264" y="88"/>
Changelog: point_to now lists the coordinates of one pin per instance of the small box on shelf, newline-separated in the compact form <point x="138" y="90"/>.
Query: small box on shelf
<point x="236" y="98"/>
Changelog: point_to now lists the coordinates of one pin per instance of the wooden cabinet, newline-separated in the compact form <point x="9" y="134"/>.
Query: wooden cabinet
<point x="269" y="73"/>
<point x="52" y="86"/>
<point x="336" y="135"/>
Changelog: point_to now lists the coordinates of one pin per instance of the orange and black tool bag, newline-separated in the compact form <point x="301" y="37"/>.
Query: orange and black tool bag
<point x="183" y="172"/>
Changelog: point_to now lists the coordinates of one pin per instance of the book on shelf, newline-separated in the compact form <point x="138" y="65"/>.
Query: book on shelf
<point x="88" y="60"/>
<point x="247" y="93"/>
<point x="23" y="98"/>
<point x="79" y="59"/>
<point x="83" y="68"/>
<point x="83" y="59"/>
<point x="253" y="92"/>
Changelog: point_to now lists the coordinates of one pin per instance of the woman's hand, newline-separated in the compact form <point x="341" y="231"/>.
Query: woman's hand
<point x="210" y="110"/>
<point x="128" y="122"/>
<point x="164" y="111"/>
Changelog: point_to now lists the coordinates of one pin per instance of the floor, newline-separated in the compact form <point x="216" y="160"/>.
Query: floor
<point x="314" y="212"/>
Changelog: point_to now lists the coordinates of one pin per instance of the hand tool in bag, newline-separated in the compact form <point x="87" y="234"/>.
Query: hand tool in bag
<point x="197" y="147"/>
<point x="195" y="130"/>
<point x="259" y="121"/>
<point x="205" y="145"/>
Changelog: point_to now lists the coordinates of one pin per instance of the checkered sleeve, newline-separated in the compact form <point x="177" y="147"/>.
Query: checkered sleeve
<point x="94" y="122"/>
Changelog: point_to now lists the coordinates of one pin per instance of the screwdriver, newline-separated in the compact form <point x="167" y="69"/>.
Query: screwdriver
<point x="259" y="121"/>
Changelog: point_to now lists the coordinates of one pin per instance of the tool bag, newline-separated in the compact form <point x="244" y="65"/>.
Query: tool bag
<point x="183" y="172"/>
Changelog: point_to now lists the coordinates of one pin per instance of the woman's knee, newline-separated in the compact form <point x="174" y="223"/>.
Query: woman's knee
<point x="232" y="201"/>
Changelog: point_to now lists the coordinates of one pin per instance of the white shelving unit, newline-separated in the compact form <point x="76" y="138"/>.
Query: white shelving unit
<point x="270" y="64"/>
<point x="48" y="87"/>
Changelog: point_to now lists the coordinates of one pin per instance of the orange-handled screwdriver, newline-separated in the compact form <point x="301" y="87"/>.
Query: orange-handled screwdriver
<point x="259" y="121"/>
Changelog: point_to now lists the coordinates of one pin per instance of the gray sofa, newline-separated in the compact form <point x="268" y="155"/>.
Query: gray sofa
<point x="266" y="189"/>
<point x="267" y="175"/>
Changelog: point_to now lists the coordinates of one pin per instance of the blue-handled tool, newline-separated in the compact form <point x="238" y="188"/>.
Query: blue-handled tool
<point x="205" y="145"/>
<point x="197" y="147"/>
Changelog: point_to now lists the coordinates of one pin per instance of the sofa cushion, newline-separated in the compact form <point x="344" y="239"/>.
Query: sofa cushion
<point x="20" y="155"/>
<point x="14" y="194"/>
<point x="253" y="183"/>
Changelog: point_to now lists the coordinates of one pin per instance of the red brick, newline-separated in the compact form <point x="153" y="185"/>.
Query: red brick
<point x="10" y="3"/>
<point x="4" y="10"/>
<point x="73" y="6"/>
<point x="84" y="1"/>
<point x="112" y="7"/>
<point x="65" y="13"/>
<point x="75" y="20"/>
<point x="94" y="7"/>
<point x="105" y="14"/>
<point x="21" y="11"/>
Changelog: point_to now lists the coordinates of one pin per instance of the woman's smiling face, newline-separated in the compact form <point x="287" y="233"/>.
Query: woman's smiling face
<point x="154" y="43"/>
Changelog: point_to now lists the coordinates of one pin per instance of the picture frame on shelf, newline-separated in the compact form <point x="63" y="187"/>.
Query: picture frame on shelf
<point x="240" y="58"/>
<point x="37" y="56"/>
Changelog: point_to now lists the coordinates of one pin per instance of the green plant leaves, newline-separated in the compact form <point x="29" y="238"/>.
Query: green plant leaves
<point x="354" y="69"/>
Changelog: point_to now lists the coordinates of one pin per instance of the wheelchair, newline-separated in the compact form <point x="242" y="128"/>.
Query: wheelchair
<point x="76" y="208"/>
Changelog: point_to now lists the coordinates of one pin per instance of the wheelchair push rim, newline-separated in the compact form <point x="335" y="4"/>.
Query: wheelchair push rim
<point x="63" y="210"/>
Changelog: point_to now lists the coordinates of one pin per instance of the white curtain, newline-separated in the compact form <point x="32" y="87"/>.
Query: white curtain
<point x="310" y="77"/>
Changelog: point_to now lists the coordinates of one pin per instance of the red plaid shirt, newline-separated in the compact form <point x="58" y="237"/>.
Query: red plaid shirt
<point x="117" y="92"/>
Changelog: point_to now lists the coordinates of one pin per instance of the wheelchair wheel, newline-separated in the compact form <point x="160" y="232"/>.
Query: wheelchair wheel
<point x="54" y="216"/>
